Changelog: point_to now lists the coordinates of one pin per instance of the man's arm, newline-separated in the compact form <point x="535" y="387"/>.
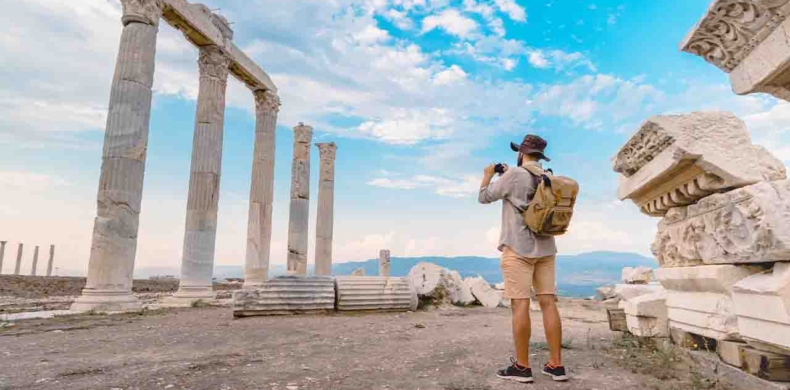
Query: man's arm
<point x="492" y="192"/>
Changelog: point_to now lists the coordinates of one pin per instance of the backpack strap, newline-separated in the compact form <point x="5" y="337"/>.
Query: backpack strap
<point x="540" y="173"/>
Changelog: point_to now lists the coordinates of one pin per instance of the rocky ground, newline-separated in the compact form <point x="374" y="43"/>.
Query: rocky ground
<point x="205" y="348"/>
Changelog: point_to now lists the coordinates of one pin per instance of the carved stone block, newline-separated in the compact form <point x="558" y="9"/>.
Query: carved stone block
<point x="762" y="303"/>
<point x="748" y="225"/>
<point x="675" y="160"/>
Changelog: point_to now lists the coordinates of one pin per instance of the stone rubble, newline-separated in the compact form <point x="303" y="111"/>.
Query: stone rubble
<point x="483" y="292"/>
<point x="638" y="275"/>
<point x="440" y="285"/>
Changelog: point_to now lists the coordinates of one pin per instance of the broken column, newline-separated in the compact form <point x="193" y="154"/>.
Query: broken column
<point x="34" y="267"/>
<point x="18" y="266"/>
<point x="300" y="201"/>
<point x="259" y="222"/>
<point x="384" y="262"/>
<point x="2" y="255"/>
<point x="286" y="295"/>
<point x="749" y="40"/>
<point x="114" y="244"/>
<point x="325" y="219"/>
<point x="197" y="265"/>
<point x="375" y="293"/>
<point x="51" y="260"/>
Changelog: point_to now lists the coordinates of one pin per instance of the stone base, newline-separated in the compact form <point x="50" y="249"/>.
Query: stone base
<point x="730" y="352"/>
<point x="104" y="301"/>
<point x="188" y="296"/>
<point x="375" y="293"/>
<point x="631" y="291"/>
<point x="646" y="315"/>
<point x="762" y="303"/>
<point x="287" y="295"/>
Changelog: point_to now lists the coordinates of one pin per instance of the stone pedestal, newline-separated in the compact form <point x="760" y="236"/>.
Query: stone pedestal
<point x="197" y="265"/>
<point x="375" y="293"/>
<point x="324" y="225"/>
<point x="2" y="255"/>
<point x="51" y="260"/>
<point x="646" y="315"/>
<point x="762" y="303"/>
<point x="259" y="222"/>
<point x="286" y="295"/>
<point x="699" y="299"/>
<point x="34" y="266"/>
<point x="300" y="201"/>
<point x="111" y="264"/>
<point x="384" y="262"/>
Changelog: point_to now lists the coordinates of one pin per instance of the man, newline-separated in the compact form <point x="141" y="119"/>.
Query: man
<point x="527" y="260"/>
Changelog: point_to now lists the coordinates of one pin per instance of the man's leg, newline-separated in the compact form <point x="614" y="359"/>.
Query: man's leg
<point x="521" y="330"/>
<point x="553" y="326"/>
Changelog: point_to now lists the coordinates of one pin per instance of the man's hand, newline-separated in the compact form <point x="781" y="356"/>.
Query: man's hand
<point x="489" y="171"/>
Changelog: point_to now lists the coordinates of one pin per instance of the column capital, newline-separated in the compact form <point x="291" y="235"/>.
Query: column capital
<point x="327" y="151"/>
<point x="141" y="11"/>
<point x="213" y="63"/>
<point x="266" y="101"/>
<point x="303" y="133"/>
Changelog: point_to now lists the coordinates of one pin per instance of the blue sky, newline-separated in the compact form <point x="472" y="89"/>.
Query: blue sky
<point x="419" y="95"/>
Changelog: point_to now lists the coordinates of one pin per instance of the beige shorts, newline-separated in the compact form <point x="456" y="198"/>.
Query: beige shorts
<point x="521" y="274"/>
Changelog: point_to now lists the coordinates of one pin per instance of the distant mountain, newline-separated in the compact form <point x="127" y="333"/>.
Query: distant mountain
<point x="577" y="275"/>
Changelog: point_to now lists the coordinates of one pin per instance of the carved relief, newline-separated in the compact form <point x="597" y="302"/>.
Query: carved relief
<point x="141" y="11"/>
<point x="327" y="152"/>
<point x="266" y="101"/>
<point x="641" y="149"/>
<point x="213" y="63"/>
<point x="748" y="225"/>
<point x="733" y="28"/>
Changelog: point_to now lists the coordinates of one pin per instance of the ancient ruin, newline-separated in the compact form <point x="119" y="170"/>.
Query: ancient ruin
<point x="126" y="137"/>
<point x="2" y="254"/>
<point x="34" y="266"/>
<point x="18" y="266"/>
<point x="286" y="295"/>
<point x="748" y="39"/>
<point x="300" y="201"/>
<point x="324" y="225"/>
<point x="51" y="260"/>
<point x="375" y="293"/>
<point x="384" y="262"/>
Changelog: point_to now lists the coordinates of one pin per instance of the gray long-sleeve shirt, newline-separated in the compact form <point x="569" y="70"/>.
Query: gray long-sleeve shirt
<point x="515" y="188"/>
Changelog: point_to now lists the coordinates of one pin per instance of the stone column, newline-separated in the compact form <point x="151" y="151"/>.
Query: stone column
<point x="259" y="223"/>
<point x="35" y="262"/>
<point x="2" y="255"/>
<point x="325" y="218"/>
<point x="384" y="262"/>
<point x="114" y="244"/>
<point x="18" y="266"/>
<point x="51" y="259"/>
<point x="300" y="201"/>
<point x="197" y="264"/>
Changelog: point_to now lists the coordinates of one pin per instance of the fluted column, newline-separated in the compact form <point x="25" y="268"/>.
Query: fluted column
<point x="34" y="267"/>
<point x="197" y="264"/>
<point x="259" y="222"/>
<point x="325" y="218"/>
<point x="18" y="267"/>
<point x="2" y="255"/>
<point x="300" y="200"/>
<point x="51" y="259"/>
<point x="384" y="262"/>
<point x="114" y="244"/>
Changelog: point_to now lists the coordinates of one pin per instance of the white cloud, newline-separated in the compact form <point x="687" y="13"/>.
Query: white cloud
<point x="451" y="75"/>
<point x="512" y="9"/>
<point x="451" y="21"/>
<point x="372" y="34"/>
<point x="28" y="181"/>
<point x="539" y="60"/>
<point x="459" y="187"/>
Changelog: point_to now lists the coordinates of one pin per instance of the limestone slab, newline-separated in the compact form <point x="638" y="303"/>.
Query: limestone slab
<point x="631" y="291"/>
<point x="699" y="299"/>
<point x="762" y="304"/>
<point x="675" y="160"/>
<point x="747" y="225"/>
<point x="375" y="293"/>
<point x="647" y="326"/>
<point x="286" y="295"/>
<point x="483" y="292"/>
<point x="730" y="352"/>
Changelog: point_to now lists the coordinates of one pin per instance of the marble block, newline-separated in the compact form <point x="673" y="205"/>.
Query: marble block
<point x="375" y="293"/>
<point x="286" y="295"/>
<point x="675" y="160"/>
<point x="762" y="304"/>
<point x="646" y="315"/>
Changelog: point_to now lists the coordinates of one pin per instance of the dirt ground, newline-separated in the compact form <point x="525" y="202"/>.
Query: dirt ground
<point x="205" y="348"/>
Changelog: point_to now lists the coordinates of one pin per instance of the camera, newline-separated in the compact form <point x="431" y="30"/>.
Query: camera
<point x="499" y="169"/>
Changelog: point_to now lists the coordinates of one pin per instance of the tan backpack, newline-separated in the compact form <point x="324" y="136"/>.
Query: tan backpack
<point x="550" y="210"/>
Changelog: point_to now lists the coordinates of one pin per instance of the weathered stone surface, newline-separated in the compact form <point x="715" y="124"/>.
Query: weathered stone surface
<point x="439" y="284"/>
<point x="49" y="263"/>
<point x="730" y="352"/>
<point x="259" y="221"/>
<point x="375" y="293"/>
<point x="647" y="326"/>
<point x="675" y="160"/>
<point x="762" y="303"/>
<point x="646" y="315"/>
<point x="18" y="266"/>
<point x="483" y="292"/>
<point x="324" y="225"/>
<point x="300" y="201"/>
<point x="631" y="291"/>
<point x="747" y="39"/>
<point x="286" y="295"/>
<point x="771" y="366"/>
<point x="499" y="286"/>
<point x="119" y="198"/>
<point x="699" y="299"/>
<point x="384" y="262"/>
<point x="605" y="292"/>
<point x="197" y="264"/>
<point x="34" y="266"/>
<point x="638" y="275"/>
<point x="747" y="225"/>
<point x="358" y="272"/>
